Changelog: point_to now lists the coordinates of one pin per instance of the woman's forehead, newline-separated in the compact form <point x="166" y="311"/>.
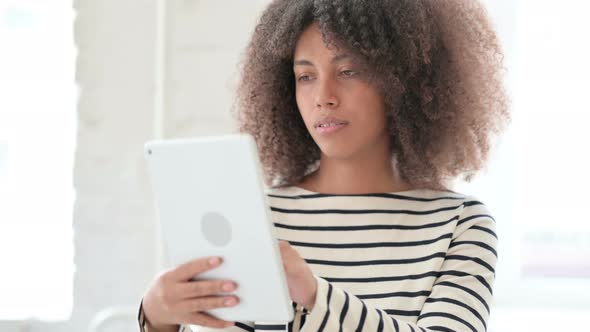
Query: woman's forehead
<point x="311" y="44"/>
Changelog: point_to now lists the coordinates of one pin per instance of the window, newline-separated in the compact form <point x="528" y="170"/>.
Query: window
<point x="37" y="139"/>
<point x="551" y="119"/>
<point x="537" y="185"/>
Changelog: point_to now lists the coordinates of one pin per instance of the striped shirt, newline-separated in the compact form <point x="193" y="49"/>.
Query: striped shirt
<point x="417" y="260"/>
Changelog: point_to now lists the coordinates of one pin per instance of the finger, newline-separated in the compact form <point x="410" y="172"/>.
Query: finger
<point x="207" y="320"/>
<point x="207" y="303"/>
<point x="285" y="246"/>
<point x="201" y="288"/>
<point x="286" y="251"/>
<point x="194" y="267"/>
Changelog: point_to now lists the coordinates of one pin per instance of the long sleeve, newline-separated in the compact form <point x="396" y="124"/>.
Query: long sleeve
<point x="459" y="300"/>
<point x="238" y="327"/>
<point x="252" y="326"/>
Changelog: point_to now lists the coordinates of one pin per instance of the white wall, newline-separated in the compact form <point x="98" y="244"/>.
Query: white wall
<point x="205" y="40"/>
<point x="113" y="216"/>
<point x="114" y="223"/>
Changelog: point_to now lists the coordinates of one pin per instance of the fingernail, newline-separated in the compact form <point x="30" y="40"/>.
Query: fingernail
<point x="213" y="261"/>
<point x="229" y="324"/>
<point x="228" y="286"/>
<point x="230" y="301"/>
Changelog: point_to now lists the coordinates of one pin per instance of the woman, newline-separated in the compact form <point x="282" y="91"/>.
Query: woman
<point x="363" y="112"/>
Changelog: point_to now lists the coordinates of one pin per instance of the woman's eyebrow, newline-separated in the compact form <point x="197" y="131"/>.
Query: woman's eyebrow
<point x="340" y="57"/>
<point x="302" y="62"/>
<point x="337" y="58"/>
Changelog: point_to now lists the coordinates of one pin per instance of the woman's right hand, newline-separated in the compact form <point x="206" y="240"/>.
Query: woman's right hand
<point x="174" y="299"/>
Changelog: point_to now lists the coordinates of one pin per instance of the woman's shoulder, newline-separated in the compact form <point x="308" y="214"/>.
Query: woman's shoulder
<point x="417" y="195"/>
<point x="420" y="204"/>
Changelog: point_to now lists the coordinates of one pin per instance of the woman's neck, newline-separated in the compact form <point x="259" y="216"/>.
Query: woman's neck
<point x="358" y="176"/>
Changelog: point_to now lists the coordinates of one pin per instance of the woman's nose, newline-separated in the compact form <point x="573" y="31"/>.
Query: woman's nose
<point x="326" y="96"/>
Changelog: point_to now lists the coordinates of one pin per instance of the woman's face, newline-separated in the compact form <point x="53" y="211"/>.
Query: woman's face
<point x="343" y="113"/>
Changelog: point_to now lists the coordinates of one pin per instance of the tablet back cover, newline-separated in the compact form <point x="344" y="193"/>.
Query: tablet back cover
<point x="210" y="201"/>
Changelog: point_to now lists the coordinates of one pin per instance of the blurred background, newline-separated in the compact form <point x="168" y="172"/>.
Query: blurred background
<point x="83" y="84"/>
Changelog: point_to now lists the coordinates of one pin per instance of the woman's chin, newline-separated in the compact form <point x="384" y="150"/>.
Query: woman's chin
<point x="336" y="152"/>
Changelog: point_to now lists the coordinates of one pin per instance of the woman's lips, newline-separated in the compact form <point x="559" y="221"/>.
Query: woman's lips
<point x="330" y="129"/>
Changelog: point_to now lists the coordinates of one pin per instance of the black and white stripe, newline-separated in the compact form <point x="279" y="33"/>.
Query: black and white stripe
<point x="419" y="261"/>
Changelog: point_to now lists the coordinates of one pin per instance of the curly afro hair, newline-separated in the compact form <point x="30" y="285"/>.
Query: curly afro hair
<point x="438" y="65"/>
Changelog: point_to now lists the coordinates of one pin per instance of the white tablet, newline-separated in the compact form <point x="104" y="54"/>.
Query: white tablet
<point x="210" y="201"/>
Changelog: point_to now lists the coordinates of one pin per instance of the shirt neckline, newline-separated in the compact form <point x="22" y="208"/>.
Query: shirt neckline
<point x="309" y="192"/>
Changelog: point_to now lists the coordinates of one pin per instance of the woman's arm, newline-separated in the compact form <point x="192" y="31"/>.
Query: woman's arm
<point x="145" y="327"/>
<point x="460" y="298"/>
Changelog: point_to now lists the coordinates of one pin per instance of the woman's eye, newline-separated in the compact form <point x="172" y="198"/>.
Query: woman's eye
<point x="303" y="78"/>
<point x="348" y="73"/>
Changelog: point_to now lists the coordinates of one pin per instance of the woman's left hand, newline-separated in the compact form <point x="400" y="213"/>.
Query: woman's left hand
<point x="300" y="278"/>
